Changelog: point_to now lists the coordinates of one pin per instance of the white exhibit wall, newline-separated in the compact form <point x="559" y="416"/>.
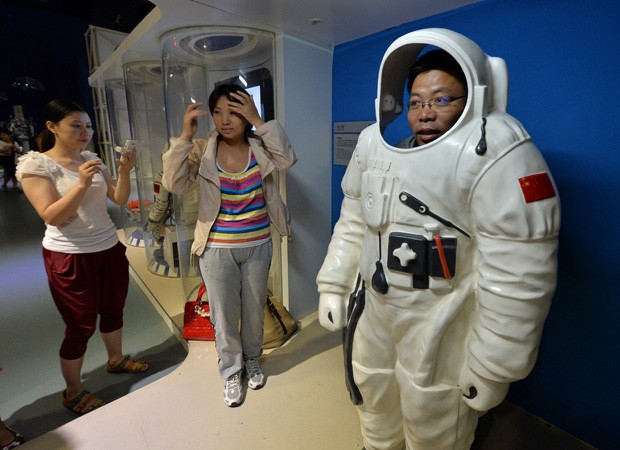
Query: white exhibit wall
<point x="304" y="97"/>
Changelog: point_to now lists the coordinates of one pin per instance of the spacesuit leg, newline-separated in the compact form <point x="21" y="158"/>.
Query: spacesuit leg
<point x="374" y="358"/>
<point x="435" y="417"/>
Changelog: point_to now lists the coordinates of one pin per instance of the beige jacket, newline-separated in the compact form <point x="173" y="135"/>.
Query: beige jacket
<point x="185" y="162"/>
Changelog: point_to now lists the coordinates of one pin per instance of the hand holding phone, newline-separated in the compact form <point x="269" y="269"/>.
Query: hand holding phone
<point x="128" y="152"/>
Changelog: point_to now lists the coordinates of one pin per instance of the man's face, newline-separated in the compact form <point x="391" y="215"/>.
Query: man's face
<point x="430" y="121"/>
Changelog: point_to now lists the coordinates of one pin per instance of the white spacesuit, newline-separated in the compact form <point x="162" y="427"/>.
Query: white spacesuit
<point x="456" y="241"/>
<point x="160" y="210"/>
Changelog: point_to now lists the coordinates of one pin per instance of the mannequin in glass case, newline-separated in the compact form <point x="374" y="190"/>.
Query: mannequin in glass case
<point x="454" y="235"/>
<point x="160" y="211"/>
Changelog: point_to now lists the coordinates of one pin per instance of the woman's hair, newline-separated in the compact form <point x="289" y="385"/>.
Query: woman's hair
<point x="54" y="112"/>
<point x="436" y="60"/>
<point x="44" y="140"/>
<point x="224" y="90"/>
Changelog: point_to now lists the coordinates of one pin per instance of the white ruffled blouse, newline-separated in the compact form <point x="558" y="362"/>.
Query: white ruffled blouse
<point x="91" y="229"/>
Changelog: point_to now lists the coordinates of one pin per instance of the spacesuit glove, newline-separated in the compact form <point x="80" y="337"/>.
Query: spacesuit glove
<point x="332" y="311"/>
<point x="481" y="393"/>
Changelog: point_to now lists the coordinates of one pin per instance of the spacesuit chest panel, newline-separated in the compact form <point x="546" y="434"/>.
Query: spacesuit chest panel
<point x="427" y="175"/>
<point x="415" y="208"/>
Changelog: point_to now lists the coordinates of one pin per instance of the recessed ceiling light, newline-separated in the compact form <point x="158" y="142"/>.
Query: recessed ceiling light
<point x="218" y="43"/>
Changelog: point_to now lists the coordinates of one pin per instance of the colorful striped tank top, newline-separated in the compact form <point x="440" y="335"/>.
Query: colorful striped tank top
<point x="242" y="220"/>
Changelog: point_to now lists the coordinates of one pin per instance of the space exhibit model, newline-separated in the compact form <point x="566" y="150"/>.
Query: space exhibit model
<point x="455" y="243"/>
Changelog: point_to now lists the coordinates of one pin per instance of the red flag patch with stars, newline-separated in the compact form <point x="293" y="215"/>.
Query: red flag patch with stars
<point x="537" y="187"/>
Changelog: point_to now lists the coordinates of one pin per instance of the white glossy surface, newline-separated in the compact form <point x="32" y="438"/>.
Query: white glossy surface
<point x="418" y="351"/>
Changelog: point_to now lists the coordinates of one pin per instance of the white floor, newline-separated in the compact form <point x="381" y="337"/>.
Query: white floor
<point x="304" y="404"/>
<point x="31" y="331"/>
<point x="178" y="403"/>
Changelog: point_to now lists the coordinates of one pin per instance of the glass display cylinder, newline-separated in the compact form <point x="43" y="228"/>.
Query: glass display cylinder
<point x="118" y="115"/>
<point x="120" y="132"/>
<point x="147" y="120"/>
<point x="195" y="60"/>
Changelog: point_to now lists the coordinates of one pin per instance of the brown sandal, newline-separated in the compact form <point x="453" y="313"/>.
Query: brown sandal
<point x="84" y="403"/>
<point x="18" y="440"/>
<point x="128" y="365"/>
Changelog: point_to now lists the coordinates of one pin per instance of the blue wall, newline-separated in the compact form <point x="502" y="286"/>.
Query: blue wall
<point x="563" y="58"/>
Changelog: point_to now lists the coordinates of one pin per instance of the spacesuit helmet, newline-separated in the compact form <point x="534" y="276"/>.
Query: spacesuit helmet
<point x="486" y="80"/>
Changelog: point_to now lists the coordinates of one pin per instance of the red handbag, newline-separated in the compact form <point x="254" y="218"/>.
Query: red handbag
<point x="196" y="318"/>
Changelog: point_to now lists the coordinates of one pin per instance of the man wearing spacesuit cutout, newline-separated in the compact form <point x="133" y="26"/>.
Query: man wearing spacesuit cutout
<point x="456" y="243"/>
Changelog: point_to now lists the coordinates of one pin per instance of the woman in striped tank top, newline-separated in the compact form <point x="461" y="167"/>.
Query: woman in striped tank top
<point x="239" y="201"/>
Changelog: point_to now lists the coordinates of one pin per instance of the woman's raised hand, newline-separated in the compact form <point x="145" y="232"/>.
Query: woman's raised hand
<point x="190" y="121"/>
<point x="245" y="108"/>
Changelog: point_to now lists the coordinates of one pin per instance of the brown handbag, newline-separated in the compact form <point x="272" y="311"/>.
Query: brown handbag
<point x="279" y="325"/>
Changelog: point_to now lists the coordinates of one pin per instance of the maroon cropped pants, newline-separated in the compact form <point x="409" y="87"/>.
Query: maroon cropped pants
<point x="84" y="286"/>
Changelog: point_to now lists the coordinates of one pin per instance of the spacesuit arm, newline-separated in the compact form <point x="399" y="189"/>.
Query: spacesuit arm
<point x="336" y="278"/>
<point x="516" y="264"/>
<point x="181" y="164"/>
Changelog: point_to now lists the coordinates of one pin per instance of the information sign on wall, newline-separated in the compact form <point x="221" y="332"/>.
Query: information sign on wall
<point x="345" y="139"/>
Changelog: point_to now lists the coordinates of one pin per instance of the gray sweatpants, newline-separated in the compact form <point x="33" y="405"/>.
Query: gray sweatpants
<point x="236" y="282"/>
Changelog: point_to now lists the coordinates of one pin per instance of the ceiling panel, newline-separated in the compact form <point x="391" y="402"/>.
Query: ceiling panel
<point x="332" y="22"/>
<point x="325" y="22"/>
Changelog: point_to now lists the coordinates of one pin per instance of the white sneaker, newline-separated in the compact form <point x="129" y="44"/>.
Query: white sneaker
<point x="233" y="390"/>
<point x="256" y="377"/>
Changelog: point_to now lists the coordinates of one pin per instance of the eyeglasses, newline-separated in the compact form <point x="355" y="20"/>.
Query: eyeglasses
<point x="436" y="104"/>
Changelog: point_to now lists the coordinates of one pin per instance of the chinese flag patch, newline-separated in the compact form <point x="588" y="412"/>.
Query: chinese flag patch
<point x="537" y="187"/>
